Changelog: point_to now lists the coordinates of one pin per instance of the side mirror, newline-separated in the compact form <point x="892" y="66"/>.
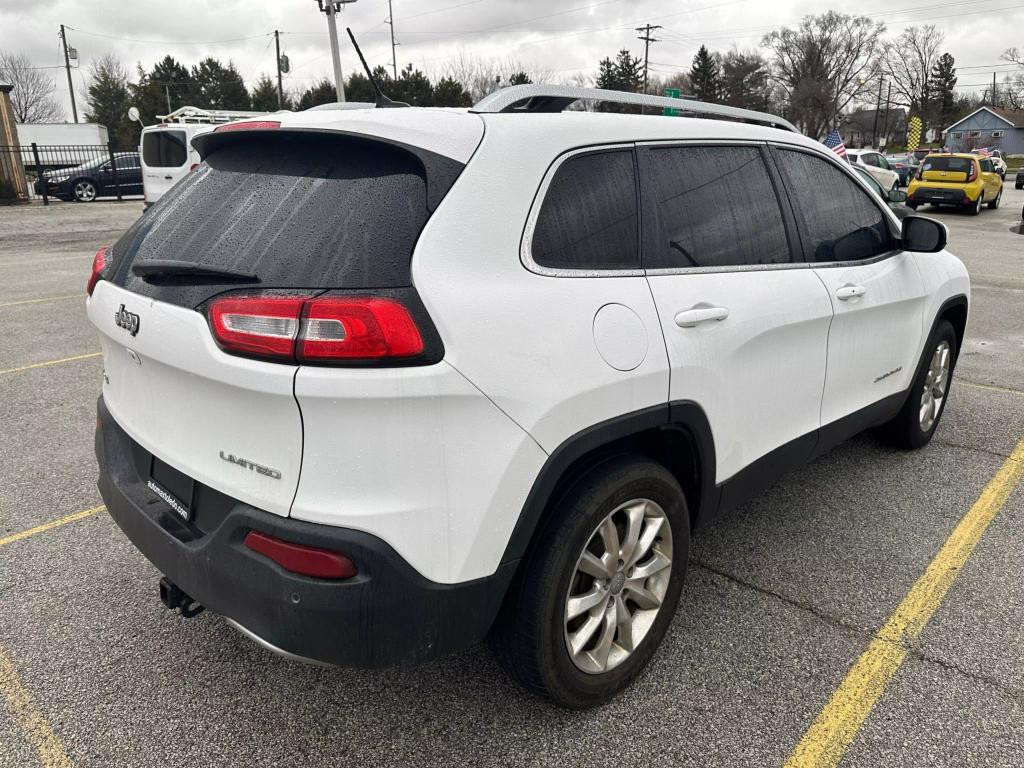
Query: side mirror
<point x="923" y="235"/>
<point x="897" y="196"/>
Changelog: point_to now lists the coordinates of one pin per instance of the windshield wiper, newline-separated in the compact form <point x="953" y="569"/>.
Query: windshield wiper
<point x="171" y="267"/>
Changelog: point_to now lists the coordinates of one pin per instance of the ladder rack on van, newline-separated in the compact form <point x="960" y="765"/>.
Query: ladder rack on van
<point x="555" y="98"/>
<point x="197" y="115"/>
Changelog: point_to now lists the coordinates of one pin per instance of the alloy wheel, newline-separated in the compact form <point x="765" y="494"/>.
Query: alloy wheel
<point x="936" y="382"/>
<point x="618" y="586"/>
<point x="85" y="191"/>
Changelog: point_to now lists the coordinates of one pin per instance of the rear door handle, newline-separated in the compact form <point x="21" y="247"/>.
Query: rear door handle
<point x="168" y="177"/>
<point x="848" y="292"/>
<point x="690" y="318"/>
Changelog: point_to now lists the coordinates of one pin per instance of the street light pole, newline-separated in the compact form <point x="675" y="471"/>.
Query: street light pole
<point x="331" y="8"/>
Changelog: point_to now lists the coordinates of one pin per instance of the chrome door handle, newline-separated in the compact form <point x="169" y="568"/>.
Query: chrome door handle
<point x="848" y="292"/>
<point x="690" y="318"/>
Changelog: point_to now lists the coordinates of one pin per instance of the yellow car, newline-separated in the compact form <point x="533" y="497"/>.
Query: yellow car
<point x="966" y="181"/>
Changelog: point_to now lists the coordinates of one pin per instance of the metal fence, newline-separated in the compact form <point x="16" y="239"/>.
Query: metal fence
<point x="81" y="172"/>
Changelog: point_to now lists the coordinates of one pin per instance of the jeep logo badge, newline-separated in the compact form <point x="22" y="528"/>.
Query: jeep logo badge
<point x="127" y="320"/>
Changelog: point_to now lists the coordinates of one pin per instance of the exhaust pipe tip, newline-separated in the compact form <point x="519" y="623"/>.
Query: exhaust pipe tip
<point x="175" y="598"/>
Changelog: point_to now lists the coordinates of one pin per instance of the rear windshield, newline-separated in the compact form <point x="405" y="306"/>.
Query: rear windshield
<point x="299" y="211"/>
<point x="164" y="149"/>
<point x="952" y="164"/>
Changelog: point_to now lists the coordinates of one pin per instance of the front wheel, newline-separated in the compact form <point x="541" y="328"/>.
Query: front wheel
<point x="599" y="587"/>
<point x="85" y="191"/>
<point x="915" y="424"/>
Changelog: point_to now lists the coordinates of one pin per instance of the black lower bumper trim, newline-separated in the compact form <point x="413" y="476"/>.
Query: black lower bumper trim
<point x="388" y="614"/>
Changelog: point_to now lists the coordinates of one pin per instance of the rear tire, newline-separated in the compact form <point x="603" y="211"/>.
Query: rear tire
<point x="995" y="203"/>
<point x="915" y="424"/>
<point x="975" y="208"/>
<point x="578" y="581"/>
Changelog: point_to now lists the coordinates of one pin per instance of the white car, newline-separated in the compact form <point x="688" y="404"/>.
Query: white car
<point x="876" y="164"/>
<point x="380" y="384"/>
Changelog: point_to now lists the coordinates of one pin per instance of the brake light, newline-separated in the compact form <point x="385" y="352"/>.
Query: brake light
<point x="306" y="329"/>
<point x="357" y="328"/>
<point x="298" y="558"/>
<point x="261" y="326"/>
<point x="974" y="172"/>
<point x="99" y="261"/>
<point x="249" y="125"/>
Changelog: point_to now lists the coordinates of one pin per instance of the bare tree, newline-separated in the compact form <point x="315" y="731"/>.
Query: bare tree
<point x="481" y="76"/>
<point x="823" y="65"/>
<point x="32" y="97"/>
<point x="908" y="63"/>
<point x="1013" y="84"/>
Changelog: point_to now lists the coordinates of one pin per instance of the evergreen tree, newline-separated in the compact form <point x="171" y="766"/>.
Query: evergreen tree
<point x="942" y="90"/>
<point x="217" y="86"/>
<point x="321" y="93"/>
<point x="168" y="81"/>
<point x="519" y="78"/>
<point x="263" y="97"/>
<point x="413" y="88"/>
<point x="448" y="92"/>
<point x="625" y="73"/>
<point x="108" y="98"/>
<point x="705" y="77"/>
<point x="744" y="81"/>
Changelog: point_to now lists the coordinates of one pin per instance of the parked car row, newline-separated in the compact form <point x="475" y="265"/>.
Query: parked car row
<point x="95" y="178"/>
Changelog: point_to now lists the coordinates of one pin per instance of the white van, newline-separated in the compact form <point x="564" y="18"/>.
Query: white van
<point x="166" y="148"/>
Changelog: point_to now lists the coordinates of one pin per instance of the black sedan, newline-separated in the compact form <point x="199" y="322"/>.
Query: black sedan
<point x="96" y="178"/>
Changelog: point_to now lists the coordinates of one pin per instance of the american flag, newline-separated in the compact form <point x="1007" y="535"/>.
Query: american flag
<point x="835" y="142"/>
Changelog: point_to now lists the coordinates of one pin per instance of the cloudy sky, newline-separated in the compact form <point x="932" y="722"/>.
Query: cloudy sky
<point x="560" y="37"/>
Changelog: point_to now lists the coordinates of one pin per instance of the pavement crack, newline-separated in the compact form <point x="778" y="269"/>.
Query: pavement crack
<point x="1008" y="690"/>
<point x="806" y="607"/>
<point x="975" y="448"/>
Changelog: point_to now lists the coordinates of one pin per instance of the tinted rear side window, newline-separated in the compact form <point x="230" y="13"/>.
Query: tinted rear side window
<point x="164" y="149"/>
<point x="839" y="221"/>
<point x="588" y="219"/>
<point x="300" y="211"/>
<point x="716" y="207"/>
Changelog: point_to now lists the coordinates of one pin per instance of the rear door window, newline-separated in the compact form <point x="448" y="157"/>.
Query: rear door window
<point x="715" y="207"/>
<point x="838" y="219"/>
<point x="588" y="220"/>
<point x="296" y="211"/>
<point x="164" y="149"/>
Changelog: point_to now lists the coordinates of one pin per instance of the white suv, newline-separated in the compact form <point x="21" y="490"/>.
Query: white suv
<point x="381" y="383"/>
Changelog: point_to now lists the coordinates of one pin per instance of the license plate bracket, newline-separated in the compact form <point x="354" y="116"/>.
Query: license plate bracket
<point x="175" y="488"/>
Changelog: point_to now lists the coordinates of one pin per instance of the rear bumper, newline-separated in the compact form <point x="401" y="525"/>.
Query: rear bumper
<point x="387" y="614"/>
<point x="943" y="195"/>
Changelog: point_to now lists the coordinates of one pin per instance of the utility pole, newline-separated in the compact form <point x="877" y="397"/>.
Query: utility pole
<point x="646" y="37"/>
<point x="331" y="8"/>
<point x="885" y="120"/>
<point x="994" y="89"/>
<point x="391" y="23"/>
<point x="878" y="108"/>
<point x="67" y="66"/>
<point x="280" y="88"/>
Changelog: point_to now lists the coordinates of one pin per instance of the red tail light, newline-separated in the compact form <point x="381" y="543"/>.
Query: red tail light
<point x="974" y="172"/>
<point x="99" y="261"/>
<point x="298" y="558"/>
<point x="304" y="329"/>
<point x="249" y="125"/>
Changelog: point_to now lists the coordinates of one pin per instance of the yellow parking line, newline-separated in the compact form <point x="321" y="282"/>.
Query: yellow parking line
<point x="990" y="387"/>
<point x="29" y="718"/>
<point x="826" y="741"/>
<point x="51" y="362"/>
<point x="41" y="301"/>
<point x="52" y="524"/>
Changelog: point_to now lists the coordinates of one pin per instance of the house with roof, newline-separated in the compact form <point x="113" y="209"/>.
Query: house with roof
<point x="993" y="127"/>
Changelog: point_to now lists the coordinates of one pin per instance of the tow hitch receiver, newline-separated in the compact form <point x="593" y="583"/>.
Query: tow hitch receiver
<point x="173" y="597"/>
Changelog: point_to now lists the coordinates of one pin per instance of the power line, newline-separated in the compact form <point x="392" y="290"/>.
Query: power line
<point x="169" y="42"/>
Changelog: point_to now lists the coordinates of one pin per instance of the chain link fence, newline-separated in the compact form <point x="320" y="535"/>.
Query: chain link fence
<point x="73" y="172"/>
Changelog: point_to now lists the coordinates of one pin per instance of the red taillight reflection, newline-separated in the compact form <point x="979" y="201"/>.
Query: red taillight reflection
<point x="298" y="558"/>
<point x="249" y="125"/>
<point x="305" y="329"/>
<point x="99" y="261"/>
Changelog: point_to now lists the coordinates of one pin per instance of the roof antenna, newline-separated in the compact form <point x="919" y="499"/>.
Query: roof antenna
<point x="381" y="101"/>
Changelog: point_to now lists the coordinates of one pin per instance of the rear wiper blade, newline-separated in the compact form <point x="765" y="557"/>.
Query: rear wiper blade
<point x="172" y="267"/>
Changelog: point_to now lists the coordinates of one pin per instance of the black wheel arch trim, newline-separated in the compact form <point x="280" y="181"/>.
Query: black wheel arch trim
<point x="684" y="416"/>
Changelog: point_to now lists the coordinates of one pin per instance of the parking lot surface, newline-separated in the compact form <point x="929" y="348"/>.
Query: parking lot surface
<point x="783" y="597"/>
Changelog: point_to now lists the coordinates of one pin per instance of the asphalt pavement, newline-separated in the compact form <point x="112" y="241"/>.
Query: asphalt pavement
<point x="784" y="594"/>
